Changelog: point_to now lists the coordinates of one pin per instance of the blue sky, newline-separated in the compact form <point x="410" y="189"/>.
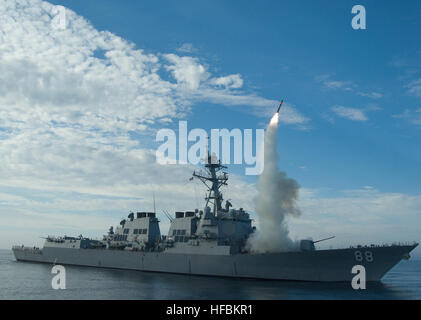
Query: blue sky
<point x="354" y="143"/>
<point x="280" y="48"/>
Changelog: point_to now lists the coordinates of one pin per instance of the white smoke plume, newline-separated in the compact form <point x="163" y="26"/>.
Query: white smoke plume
<point x="276" y="199"/>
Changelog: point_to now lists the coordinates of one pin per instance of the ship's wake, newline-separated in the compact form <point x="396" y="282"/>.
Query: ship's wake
<point x="276" y="200"/>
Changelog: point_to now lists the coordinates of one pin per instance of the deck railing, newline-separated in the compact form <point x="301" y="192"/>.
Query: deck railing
<point x="27" y="249"/>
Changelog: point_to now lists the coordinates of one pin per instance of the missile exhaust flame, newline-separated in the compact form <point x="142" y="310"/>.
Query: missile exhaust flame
<point x="275" y="120"/>
<point x="276" y="200"/>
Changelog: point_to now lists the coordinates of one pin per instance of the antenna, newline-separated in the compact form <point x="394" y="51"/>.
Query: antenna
<point x="154" y="206"/>
<point x="195" y="193"/>
<point x="168" y="215"/>
<point x="213" y="180"/>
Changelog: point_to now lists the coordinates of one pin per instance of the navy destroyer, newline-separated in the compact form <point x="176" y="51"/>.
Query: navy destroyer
<point x="210" y="242"/>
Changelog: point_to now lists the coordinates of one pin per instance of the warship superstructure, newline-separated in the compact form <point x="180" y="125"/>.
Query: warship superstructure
<point x="210" y="242"/>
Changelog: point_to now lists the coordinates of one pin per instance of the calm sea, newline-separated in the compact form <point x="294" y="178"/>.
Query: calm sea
<point x="20" y="280"/>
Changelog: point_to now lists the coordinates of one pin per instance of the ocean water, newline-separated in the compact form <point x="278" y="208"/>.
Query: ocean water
<point x="19" y="280"/>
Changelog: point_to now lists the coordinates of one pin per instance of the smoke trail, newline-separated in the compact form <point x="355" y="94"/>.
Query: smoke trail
<point x="276" y="199"/>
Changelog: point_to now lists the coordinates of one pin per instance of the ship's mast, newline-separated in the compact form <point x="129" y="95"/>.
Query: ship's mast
<point x="213" y="180"/>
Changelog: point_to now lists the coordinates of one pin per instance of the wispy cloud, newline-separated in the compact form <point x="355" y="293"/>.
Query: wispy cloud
<point x="414" y="87"/>
<point x="71" y="102"/>
<point x="196" y="83"/>
<point x="358" y="216"/>
<point x="349" y="113"/>
<point x="412" y="116"/>
<point x="373" y="94"/>
<point x="407" y="66"/>
<point x="333" y="84"/>
<point x="187" y="48"/>
<point x="328" y="82"/>
<point x="67" y="113"/>
<point x="364" y="215"/>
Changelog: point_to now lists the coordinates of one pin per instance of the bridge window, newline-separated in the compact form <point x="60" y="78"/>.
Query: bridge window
<point x="179" y="232"/>
<point x="181" y="239"/>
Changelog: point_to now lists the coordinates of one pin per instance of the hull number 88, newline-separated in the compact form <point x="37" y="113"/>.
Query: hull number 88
<point x="366" y="255"/>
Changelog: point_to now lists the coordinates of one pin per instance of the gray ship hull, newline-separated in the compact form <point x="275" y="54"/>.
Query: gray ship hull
<point x="319" y="265"/>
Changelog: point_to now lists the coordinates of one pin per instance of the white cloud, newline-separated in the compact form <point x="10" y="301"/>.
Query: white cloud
<point x="361" y="216"/>
<point x="349" y="113"/>
<point x="90" y="208"/>
<point x="232" y="81"/>
<point x="70" y="101"/>
<point x="289" y="115"/>
<point x="372" y="107"/>
<point x="413" y="116"/>
<point x="196" y="84"/>
<point x="61" y="73"/>
<point x="187" y="70"/>
<point x="334" y="84"/>
<point x="414" y="87"/>
<point x="372" y="95"/>
<point x="187" y="48"/>
<point x="329" y="83"/>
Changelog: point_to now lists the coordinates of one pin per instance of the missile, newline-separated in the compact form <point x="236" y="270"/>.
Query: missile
<point x="280" y="105"/>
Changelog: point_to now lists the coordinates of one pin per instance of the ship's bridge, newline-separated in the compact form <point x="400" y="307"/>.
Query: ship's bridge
<point x="183" y="226"/>
<point x="142" y="229"/>
<point x="234" y="226"/>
